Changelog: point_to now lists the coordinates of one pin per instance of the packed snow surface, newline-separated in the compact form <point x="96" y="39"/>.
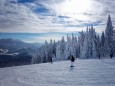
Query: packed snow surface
<point x="93" y="72"/>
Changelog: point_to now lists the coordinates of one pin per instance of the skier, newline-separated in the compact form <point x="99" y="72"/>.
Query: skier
<point x="111" y="55"/>
<point x="51" y="59"/>
<point x="99" y="56"/>
<point x="72" y="60"/>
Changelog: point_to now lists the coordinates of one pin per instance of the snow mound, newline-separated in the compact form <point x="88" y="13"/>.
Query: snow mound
<point x="85" y="73"/>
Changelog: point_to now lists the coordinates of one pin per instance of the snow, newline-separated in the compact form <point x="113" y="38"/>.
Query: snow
<point x="91" y="72"/>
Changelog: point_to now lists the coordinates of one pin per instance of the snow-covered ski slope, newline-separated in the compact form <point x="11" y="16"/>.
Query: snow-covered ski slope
<point x="93" y="72"/>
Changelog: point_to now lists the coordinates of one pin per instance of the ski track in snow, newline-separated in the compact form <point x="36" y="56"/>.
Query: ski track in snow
<point x="93" y="72"/>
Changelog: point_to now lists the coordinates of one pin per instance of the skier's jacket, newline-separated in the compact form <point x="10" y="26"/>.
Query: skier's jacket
<point x="72" y="59"/>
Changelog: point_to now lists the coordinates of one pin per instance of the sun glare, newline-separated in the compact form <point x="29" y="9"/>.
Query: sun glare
<point x="77" y="8"/>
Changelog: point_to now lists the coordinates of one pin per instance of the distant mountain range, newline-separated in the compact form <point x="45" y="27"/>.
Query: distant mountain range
<point x="14" y="45"/>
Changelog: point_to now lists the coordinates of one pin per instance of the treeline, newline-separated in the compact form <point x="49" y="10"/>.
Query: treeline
<point x="88" y="45"/>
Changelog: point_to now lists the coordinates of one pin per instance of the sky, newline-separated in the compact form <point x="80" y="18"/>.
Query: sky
<point x="40" y="20"/>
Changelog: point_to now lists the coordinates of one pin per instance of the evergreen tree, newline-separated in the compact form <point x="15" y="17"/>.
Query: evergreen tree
<point x="67" y="48"/>
<point x="98" y="46"/>
<point x="103" y="45"/>
<point x="109" y="36"/>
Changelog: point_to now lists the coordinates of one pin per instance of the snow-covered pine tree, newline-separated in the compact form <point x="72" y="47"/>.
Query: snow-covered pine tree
<point x="36" y="58"/>
<point x="67" y="48"/>
<point x="93" y="43"/>
<point x="81" y="43"/>
<point x="74" y="46"/>
<point x="58" y="55"/>
<point x="50" y="51"/>
<point x="103" y="48"/>
<point x="45" y="50"/>
<point x="54" y="51"/>
<point x="87" y="43"/>
<point x="98" y="46"/>
<point x="109" y="36"/>
<point x="62" y="48"/>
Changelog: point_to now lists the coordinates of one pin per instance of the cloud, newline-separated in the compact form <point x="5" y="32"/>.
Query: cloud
<point x="47" y="16"/>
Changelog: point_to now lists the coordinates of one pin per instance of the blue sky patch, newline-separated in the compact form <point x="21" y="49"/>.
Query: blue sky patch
<point x="93" y="23"/>
<point x="41" y="10"/>
<point x="26" y="1"/>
